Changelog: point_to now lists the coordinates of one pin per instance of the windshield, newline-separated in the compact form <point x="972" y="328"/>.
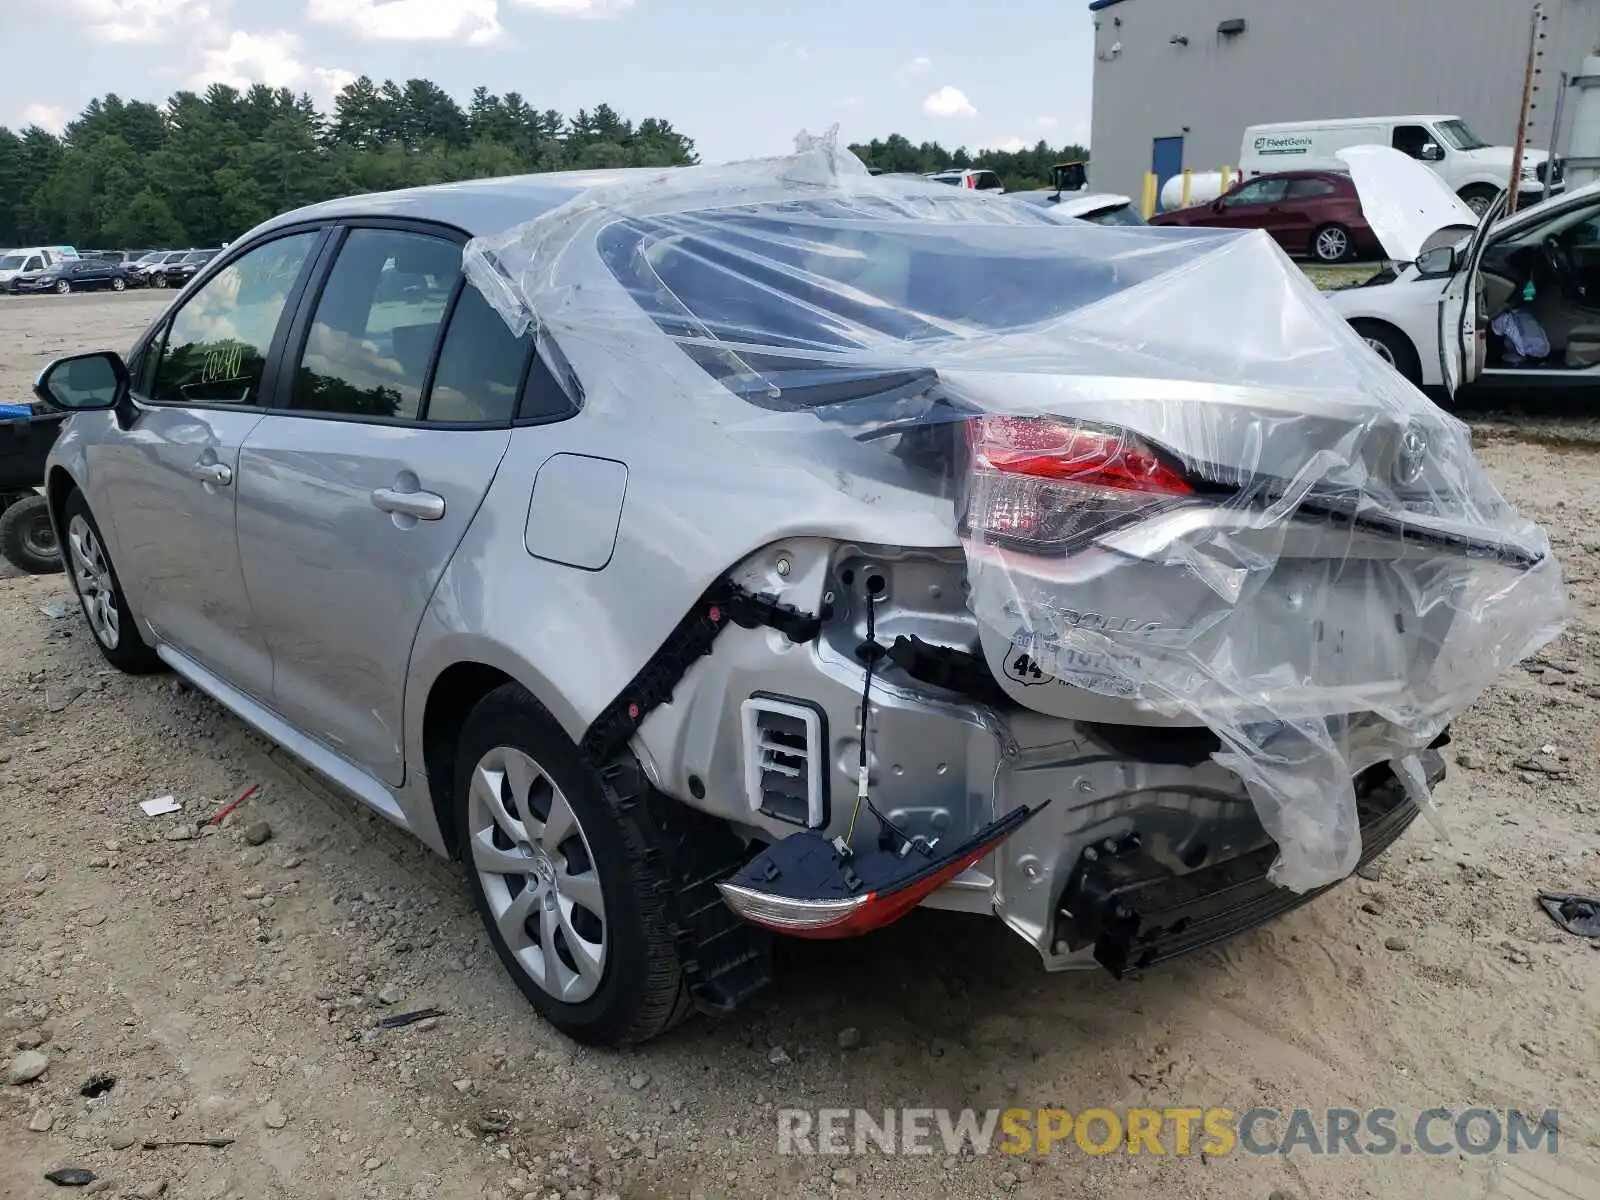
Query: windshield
<point x="199" y="256"/>
<point x="11" y="262"/>
<point x="1458" y="136"/>
<point x="150" y="258"/>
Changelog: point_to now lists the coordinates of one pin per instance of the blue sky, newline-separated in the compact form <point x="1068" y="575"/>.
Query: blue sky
<point x="740" y="79"/>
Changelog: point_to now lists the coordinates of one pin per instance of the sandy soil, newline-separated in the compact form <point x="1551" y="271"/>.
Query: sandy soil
<point x="233" y="990"/>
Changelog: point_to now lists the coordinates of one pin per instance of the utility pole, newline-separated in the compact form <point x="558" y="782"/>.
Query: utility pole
<point x="1535" y="36"/>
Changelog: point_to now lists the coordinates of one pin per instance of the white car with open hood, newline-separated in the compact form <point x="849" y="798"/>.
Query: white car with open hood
<point x="1513" y="301"/>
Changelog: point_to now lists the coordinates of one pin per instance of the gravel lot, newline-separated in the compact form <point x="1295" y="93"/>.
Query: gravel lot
<point x="232" y="990"/>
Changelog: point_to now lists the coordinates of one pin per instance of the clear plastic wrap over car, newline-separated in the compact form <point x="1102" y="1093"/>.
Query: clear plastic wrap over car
<point x="1186" y="492"/>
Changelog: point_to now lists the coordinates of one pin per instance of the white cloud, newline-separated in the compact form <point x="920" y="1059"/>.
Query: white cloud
<point x="1046" y="122"/>
<point x="577" y="8"/>
<point x="848" y="102"/>
<point x="1012" y="145"/>
<point x="796" y="49"/>
<point x="274" y="59"/>
<point x="45" y="116"/>
<point x="140" y="20"/>
<point x="919" y="65"/>
<point x="948" y="102"/>
<point x="473" y="21"/>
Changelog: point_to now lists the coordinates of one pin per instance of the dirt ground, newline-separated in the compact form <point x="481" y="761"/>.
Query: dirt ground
<point x="233" y="990"/>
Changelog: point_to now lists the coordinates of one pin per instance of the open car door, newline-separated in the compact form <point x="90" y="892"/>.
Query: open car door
<point x="1463" y="312"/>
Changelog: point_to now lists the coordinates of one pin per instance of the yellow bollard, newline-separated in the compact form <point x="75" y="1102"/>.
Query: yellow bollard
<point x="1188" y="186"/>
<point x="1151" y="195"/>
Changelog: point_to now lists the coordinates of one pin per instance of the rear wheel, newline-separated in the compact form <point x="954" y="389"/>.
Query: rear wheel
<point x="118" y="284"/>
<point x="100" y="592"/>
<point x="565" y="882"/>
<point x="63" y="286"/>
<point x="1331" y="244"/>
<point x="27" y="539"/>
<point x="1394" y="347"/>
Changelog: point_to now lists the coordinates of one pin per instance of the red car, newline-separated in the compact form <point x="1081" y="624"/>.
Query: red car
<point x="1314" y="213"/>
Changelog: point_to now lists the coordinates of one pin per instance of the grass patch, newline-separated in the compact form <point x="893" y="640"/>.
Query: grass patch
<point x="1329" y="278"/>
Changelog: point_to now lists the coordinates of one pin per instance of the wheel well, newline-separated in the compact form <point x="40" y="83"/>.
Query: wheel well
<point x="1363" y="324"/>
<point x="57" y="488"/>
<point x="451" y="698"/>
<point x="1479" y="189"/>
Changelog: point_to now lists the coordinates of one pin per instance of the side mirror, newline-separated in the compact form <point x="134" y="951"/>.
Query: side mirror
<point x="1432" y="152"/>
<point x="1437" y="263"/>
<point x="1218" y="204"/>
<point x="85" y="382"/>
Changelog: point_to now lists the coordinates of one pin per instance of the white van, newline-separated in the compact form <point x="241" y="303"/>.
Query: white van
<point x="1475" y="170"/>
<point x="31" y="258"/>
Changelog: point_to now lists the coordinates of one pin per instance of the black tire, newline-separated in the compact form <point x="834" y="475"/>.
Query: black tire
<point x="1332" y="244"/>
<point x="642" y="992"/>
<point x="161" y="281"/>
<point x="1394" y="347"/>
<point x="119" y="284"/>
<point x="27" y="539"/>
<point x="130" y="653"/>
<point x="63" y="287"/>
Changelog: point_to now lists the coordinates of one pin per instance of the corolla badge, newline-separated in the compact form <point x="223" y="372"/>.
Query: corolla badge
<point x="1413" y="455"/>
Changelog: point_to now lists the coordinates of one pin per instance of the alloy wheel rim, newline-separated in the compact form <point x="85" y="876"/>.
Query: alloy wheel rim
<point x="1332" y="244"/>
<point x="1478" y="205"/>
<point x="534" y="864"/>
<point x="1382" y="350"/>
<point x="91" y="572"/>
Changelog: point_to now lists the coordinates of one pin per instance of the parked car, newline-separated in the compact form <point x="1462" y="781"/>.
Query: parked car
<point x="1473" y="169"/>
<point x="154" y="272"/>
<point x="176" y="274"/>
<point x="29" y="259"/>
<point x="1106" y="208"/>
<point x="1444" y="317"/>
<point x="982" y="181"/>
<point x="757" y="590"/>
<point x="1311" y="213"/>
<point x="74" y="275"/>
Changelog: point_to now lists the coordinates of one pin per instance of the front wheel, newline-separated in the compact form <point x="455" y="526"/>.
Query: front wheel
<point x="563" y="879"/>
<point x="27" y="539"/>
<point x="63" y="286"/>
<point x="161" y="281"/>
<point x="100" y="592"/>
<point x="1478" y="198"/>
<point x="1394" y="347"/>
<point x="1331" y="244"/>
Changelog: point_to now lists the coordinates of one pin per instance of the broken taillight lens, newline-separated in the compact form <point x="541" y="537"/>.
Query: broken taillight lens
<point x="1047" y="485"/>
<point x="803" y="887"/>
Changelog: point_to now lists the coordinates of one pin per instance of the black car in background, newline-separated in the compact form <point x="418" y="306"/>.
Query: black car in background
<point x="186" y="268"/>
<point x="74" y="275"/>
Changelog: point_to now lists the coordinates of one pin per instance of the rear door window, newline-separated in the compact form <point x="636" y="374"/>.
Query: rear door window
<point x="1310" y="189"/>
<point x="376" y="325"/>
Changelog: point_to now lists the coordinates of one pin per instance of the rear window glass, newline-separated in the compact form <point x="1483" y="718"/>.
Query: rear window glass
<point x="749" y="291"/>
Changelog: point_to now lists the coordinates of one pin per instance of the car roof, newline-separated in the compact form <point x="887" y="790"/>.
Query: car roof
<point x="478" y="206"/>
<point x="1338" y="122"/>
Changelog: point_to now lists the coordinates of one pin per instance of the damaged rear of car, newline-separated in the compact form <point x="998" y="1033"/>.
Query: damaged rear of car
<point x="1093" y="577"/>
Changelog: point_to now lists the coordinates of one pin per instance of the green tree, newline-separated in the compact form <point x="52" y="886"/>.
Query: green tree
<point x="202" y="169"/>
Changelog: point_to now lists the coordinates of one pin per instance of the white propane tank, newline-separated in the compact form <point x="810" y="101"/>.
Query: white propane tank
<point x="1583" y="142"/>
<point x="1204" y="187"/>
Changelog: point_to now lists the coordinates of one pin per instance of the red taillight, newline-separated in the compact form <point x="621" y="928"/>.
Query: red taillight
<point x="1050" y="449"/>
<point x="1044" y="484"/>
<point x="852" y="916"/>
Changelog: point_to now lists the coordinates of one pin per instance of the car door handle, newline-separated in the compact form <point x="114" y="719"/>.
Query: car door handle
<point x="424" y="506"/>
<point x="217" y="473"/>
